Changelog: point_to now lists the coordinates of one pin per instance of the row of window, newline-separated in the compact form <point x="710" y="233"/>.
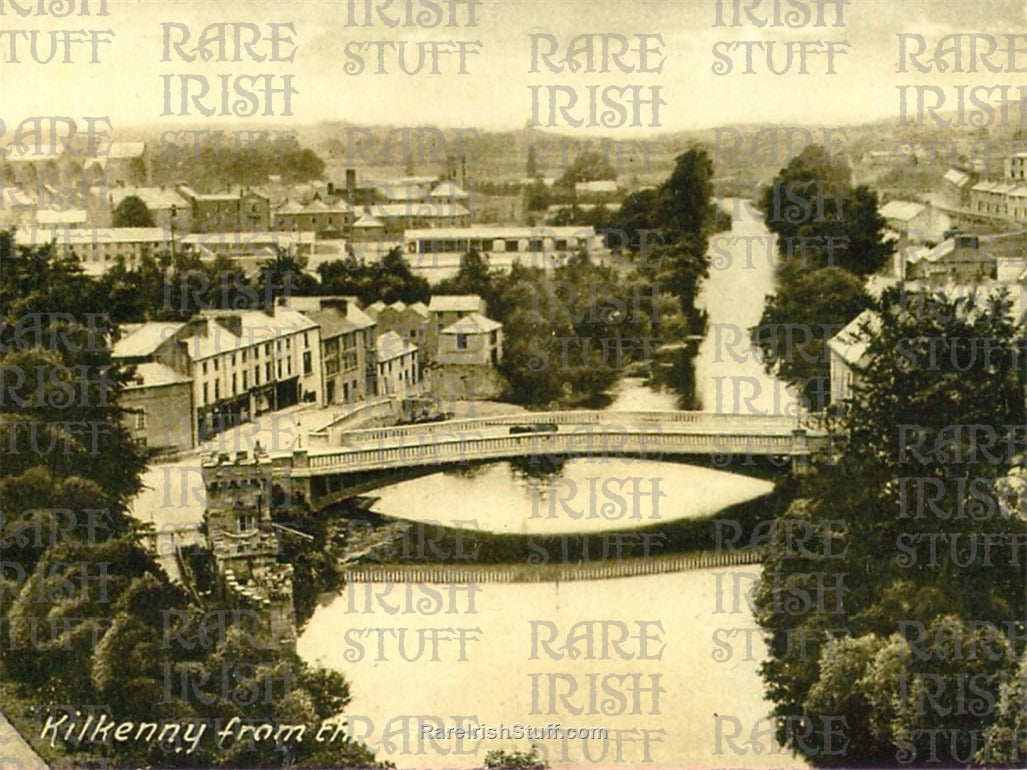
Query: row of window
<point x="266" y="349"/>
<point x="269" y="370"/>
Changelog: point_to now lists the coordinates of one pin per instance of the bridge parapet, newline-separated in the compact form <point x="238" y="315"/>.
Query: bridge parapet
<point x="670" y="419"/>
<point x="644" y="444"/>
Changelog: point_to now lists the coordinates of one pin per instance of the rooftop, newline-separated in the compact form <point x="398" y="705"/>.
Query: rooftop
<point x="390" y="345"/>
<point x="852" y="341"/>
<point x="144" y="339"/>
<point x="154" y="375"/>
<point x="475" y="323"/>
<point x="904" y="210"/>
<point x="460" y="303"/>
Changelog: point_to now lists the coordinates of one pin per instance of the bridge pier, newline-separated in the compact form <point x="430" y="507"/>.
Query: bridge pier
<point x="800" y="452"/>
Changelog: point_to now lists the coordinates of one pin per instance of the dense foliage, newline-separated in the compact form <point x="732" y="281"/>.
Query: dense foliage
<point x="132" y="212"/>
<point x="88" y="616"/>
<point x="829" y="237"/>
<point x="905" y="623"/>
<point x="217" y="159"/>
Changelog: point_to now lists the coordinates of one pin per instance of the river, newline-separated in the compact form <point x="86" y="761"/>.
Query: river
<point x="667" y="664"/>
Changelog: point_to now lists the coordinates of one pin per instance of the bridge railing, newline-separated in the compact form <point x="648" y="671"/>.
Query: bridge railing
<point x="634" y="442"/>
<point x="582" y="417"/>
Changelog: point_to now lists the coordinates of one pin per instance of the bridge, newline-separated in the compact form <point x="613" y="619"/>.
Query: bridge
<point x="337" y="463"/>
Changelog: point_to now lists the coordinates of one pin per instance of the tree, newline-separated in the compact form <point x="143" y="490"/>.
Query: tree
<point x="284" y="276"/>
<point x="132" y="212"/>
<point x="933" y="442"/>
<point x="797" y="323"/>
<point x="587" y="166"/>
<point x="500" y="759"/>
<point x="821" y="220"/>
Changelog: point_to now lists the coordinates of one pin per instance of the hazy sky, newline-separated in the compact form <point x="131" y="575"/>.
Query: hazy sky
<point x="127" y="83"/>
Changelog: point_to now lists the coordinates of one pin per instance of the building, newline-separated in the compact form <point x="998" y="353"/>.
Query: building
<point x="219" y="212"/>
<point x="396" y="363"/>
<point x="99" y="248"/>
<point x="240" y="496"/>
<point x="1001" y="200"/>
<point x="398" y="217"/>
<point x="968" y="258"/>
<point x="916" y="222"/>
<point x="237" y="244"/>
<point x="961" y="258"/>
<point x="326" y="220"/>
<point x="120" y="164"/>
<point x="848" y="352"/>
<point x="474" y="340"/>
<point x="242" y="363"/>
<point x="169" y="210"/>
<point x="955" y="188"/>
<point x="158" y="401"/>
<point x="464" y="367"/>
<point x="534" y="246"/>
<point x="410" y="322"/>
<point x="449" y="191"/>
<point x="597" y="191"/>
<point x="447" y="309"/>
<point x="1016" y="167"/>
<point x="347" y="345"/>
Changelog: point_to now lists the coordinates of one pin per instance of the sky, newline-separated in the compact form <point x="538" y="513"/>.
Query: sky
<point x="138" y="75"/>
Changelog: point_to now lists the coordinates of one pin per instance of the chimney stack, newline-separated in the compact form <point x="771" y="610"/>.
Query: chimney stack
<point x="351" y="187"/>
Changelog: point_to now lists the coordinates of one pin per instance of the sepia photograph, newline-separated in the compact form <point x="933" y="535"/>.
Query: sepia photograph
<point x="513" y="384"/>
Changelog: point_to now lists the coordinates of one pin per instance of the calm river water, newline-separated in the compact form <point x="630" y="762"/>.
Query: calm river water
<point x="668" y="664"/>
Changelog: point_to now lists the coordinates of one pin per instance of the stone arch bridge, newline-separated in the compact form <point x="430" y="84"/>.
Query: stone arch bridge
<point x="339" y="464"/>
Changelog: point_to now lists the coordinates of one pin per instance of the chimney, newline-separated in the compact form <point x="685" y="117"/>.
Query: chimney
<point x="231" y="322"/>
<point x="463" y="172"/>
<point x="351" y="186"/>
<point x="337" y="303"/>
<point x="198" y="327"/>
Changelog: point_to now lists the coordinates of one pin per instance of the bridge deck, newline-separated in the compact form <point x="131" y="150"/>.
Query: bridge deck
<point x="649" y="435"/>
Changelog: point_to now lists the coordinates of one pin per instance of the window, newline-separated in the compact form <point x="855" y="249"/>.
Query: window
<point x="288" y="366"/>
<point x="217" y="389"/>
<point x="267" y="371"/>
<point x="461" y="342"/>
<point x="234" y="384"/>
<point x="308" y="366"/>
<point x="256" y="375"/>
<point x="216" y="362"/>
<point x="140" y="420"/>
<point x="205" y="399"/>
<point x="279" y="370"/>
<point x="204" y="367"/>
<point x="244" y="356"/>
<point x="245" y="381"/>
<point x="267" y="349"/>
<point x="233" y="359"/>
<point x="306" y="340"/>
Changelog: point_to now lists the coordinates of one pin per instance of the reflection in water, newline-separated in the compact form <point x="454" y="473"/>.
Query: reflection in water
<point x="581" y="495"/>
